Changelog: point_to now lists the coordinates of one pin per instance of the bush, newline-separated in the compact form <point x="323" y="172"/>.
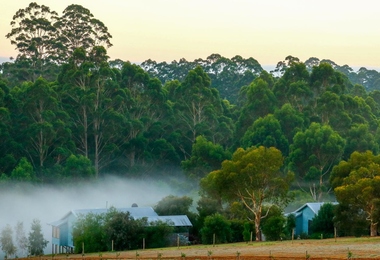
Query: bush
<point x="158" y="234"/>
<point x="273" y="229"/>
<point x="218" y="225"/>
<point x="323" y="222"/>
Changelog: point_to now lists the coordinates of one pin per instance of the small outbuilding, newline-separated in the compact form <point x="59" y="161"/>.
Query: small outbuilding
<point x="62" y="239"/>
<point x="304" y="216"/>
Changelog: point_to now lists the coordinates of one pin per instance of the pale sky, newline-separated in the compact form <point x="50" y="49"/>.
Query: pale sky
<point x="347" y="32"/>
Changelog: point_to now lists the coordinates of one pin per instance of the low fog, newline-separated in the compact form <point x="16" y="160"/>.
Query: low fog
<point x="25" y="202"/>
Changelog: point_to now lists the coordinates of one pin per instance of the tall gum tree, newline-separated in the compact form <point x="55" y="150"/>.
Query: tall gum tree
<point x="312" y="156"/>
<point x="356" y="185"/>
<point x="145" y="104"/>
<point x="254" y="177"/>
<point x="78" y="28"/>
<point x="35" y="38"/>
<point x="33" y="32"/>
<point x="198" y="105"/>
<point x="41" y="123"/>
<point x="88" y="90"/>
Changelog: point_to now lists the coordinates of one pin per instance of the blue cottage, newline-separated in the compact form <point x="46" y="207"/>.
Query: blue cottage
<point x="304" y="215"/>
<point x="62" y="239"/>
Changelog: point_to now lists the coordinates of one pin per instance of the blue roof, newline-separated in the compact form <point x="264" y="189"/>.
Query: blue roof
<point x="314" y="206"/>
<point x="177" y="220"/>
<point x="136" y="213"/>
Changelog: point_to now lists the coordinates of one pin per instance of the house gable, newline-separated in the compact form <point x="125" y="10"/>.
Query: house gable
<point x="304" y="216"/>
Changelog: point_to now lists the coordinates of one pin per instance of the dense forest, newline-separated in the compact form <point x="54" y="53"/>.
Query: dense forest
<point x="69" y="113"/>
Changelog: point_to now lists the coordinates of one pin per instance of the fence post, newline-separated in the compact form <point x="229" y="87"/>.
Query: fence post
<point x="292" y="235"/>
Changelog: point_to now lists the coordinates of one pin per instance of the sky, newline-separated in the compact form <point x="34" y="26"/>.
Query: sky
<point x="346" y="32"/>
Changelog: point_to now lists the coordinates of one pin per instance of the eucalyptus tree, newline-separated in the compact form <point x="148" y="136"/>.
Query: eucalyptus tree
<point x="91" y="97"/>
<point x="252" y="176"/>
<point x="291" y="121"/>
<point x="205" y="157"/>
<point x="360" y="111"/>
<point x="266" y="131"/>
<point x="312" y="156"/>
<point x="293" y="87"/>
<point x="145" y="110"/>
<point x="311" y="62"/>
<point x="35" y="37"/>
<point x="356" y="184"/>
<point x="40" y="123"/>
<point x="283" y="65"/>
<point x="359" y="138"/>
<point x="78" y="28"/>
<point x="8" y="147"/>
<point x="198" y="107"/>
<point x="259" y="102"/>
<point x="324" y="77"/>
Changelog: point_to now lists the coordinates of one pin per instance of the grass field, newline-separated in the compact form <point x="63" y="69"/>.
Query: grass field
<point x="341" y="248"/>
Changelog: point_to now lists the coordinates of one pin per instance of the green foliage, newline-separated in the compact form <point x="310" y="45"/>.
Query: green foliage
<point x="36" y="241"/>
<point x="356" y="184"/>
<point x="313" y="154"/>
<point x="350" y="221"/>
<point x="259" y="102"/>
<point x="174" y="205"/>
<point x="158" y="234"/>
<point x="252" y="176"/>
<point x="237" y="230"/>
<point x="273" y="224"/>
<point x="100" y="117"/>
<point x="89" y="231"/>
<point x="323" y="222"/>
<point x="266" y="132"/>
<point x="78" y="168"/>
<point x="205" y="157"/>
<point x="124" y="230"/>
<point x="218" y="225"/>
<point x="96" y="231"/>
<point x="273" y="228"/>
<point x="290" y="226"/>
<point x="247" y="231"/>
<point x="23" y="172"/>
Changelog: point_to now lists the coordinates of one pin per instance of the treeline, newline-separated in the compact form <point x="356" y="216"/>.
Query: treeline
<point x="229" y="75"/>
<point x="96" y="119"/>
<point x="83" y="116"/>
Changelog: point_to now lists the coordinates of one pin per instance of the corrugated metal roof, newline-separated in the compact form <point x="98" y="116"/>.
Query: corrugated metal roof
<point x="136" y="212"/>
<point x="177" y="220"/>
<point x="314" y="206"/>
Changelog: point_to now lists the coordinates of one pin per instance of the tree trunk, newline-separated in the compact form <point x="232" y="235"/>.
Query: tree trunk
<point x="257" y="226"/>
<point x="373" y="229"/>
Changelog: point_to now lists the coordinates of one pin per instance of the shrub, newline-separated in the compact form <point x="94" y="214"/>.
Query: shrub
<point x="218" y="225"/>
